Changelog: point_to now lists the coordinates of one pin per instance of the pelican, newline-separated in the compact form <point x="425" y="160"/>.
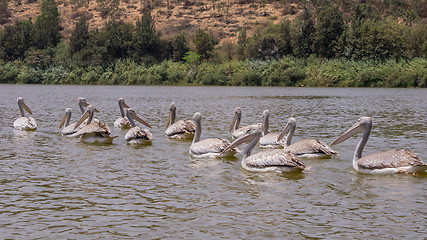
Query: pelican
<point x="269" y="140"/>
<point x="94" y="131"/>
<point x="180" y="129"/>
<point x="82" y="104"/>
<point x="136" y="135"/>
<point x="388" y="162"/>
<point x="234" y="126"/>
<point x="68" y="129"/>
<point x="307" y="148"/>
<point x="270" y="160"/>
<point x="24" y="122"/>
<point x="210" y="147"/>
<point x="122" y="122"/>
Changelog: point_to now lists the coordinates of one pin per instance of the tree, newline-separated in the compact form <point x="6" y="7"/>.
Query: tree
<point x="242" y="41"/>
<point x="205" y="43"/>
<point x="80" y="36"/>
<point x="4" y="11"/>
<point x="305" y="36"/>
<point x="146" y="40"/>
<point x="329" y="28"/>
<point x="180" y="47"/>
<point x="15" y="40"/>
<point x="285" y="38"/>
<point x="46" y="27"/>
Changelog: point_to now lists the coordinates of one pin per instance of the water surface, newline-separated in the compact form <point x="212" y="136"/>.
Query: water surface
<point x="55" y="187"/>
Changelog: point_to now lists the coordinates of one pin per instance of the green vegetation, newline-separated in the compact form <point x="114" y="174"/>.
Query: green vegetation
<point x="367" y="46"/>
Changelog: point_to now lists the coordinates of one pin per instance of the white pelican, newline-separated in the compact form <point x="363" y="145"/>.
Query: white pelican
<point x="210" y="147"/>
<point x="122" y="122"/>
<point x="94" y="131"/>
<point x="24" y="122"/>
<point x="307" y="148"/>
<point x="235" y="123"/>
<point x="136" y="135"/>
<point x="82" y="104"/>
<point x="392" y="161"/>
<point x="270" y="160"/>
<point x="180" y="129"/>
<point x="269" y="140"/>
<point x="68" y="129"/>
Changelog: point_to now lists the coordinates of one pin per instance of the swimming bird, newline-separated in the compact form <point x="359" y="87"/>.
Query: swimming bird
<point x="94" y="131"/>
<point x="122" y="122"/>
<point x="136" y="135"/>
<point x="388" y="162"/>
<point x="210" y="147"/>
<point x="235" y="123"/>
<point x="24" y="122"/>
<point x="180" y="129"/>
<point x="68" y="129"/>
<point x="270" y="160"/>
<point x="269" y="140"/>
<point x="307" y="148"/>
<point x="82" y="104"/>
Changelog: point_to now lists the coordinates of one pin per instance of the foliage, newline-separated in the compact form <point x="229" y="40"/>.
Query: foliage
<point x="205" y="43"/>
<point x="46" y="27"/>
<point x="146" y="41"/>
<point x="4" y="11"/>
<point x="180" y="47"/>
<point x="15" y="40"/>
<point x="80" y="36"/>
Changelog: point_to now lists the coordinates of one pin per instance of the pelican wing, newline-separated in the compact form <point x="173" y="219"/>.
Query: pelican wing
<point x="122" y="122"/>
<point x="271" y="140"/>
<point x="273" y="158"/>
<point x="25" y="123"/>
<point x="390" y="159"/>
<point x="242" y="130"/>
<point x="210" y="145"/>
<point x="95" y="127"/>
<point x="181" y="126"/>
<point x="310" y="146"/>
<point x="138" y="133"/>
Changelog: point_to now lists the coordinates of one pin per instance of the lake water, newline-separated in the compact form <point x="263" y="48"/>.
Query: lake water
<point x="55" y="187"/>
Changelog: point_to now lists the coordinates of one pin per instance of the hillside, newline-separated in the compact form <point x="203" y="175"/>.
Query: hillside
<point x="224" y="17"/>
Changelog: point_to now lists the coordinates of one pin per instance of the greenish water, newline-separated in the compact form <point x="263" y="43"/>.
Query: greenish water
<point x="55" y="187"/>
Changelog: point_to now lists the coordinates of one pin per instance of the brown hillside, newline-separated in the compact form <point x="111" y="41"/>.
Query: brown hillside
<point x="223" y="17"/>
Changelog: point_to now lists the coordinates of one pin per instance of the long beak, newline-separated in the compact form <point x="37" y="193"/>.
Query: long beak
<point x="64" y="118"/>
<point x="137" y="118"/>
<point x="233" y="122"/>
<point x="169" y="119"/>
<point x="82" y="118"/>
<point x="242" y="139"/>
<point x="284" y="131"/>
<point x="26" y="108"/>
<point x="125" y="105"/>
<point x="357" y="128"/>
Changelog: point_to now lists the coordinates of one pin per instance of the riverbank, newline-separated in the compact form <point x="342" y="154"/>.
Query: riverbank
<point x="288" y="71"/>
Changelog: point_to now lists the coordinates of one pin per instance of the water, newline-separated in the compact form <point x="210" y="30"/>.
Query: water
<point x="55" y="187"/>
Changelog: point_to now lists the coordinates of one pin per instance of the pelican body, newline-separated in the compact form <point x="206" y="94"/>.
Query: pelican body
<point x="68" y="129"/>
<point x="136" y="135"/>
<point x="270" y="160"/>
<point x="122" y="122"/>
<point x="181" y="129"/>
<point x="210" y="147"/>
<point x="24" y="122"/>
<point x="307" y="148"/>
<point x="388" y="162"/>
<point x="235" y="123"/>
<point x="269" y="140"/>
<point x="94" y="131"/>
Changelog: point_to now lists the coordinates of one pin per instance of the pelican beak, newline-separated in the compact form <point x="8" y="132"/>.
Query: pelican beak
<point x="242" y="139"/>
<point x="357" y="128"/>
<point x="82" y="118"/>
<point x="26" y="108"/>
<point x="137" y="118"/>
<point x="169" y="119"/>
<point x="284" y="131"/>
<point x="63" y="120"/>
<point x="85" y="104"/>
<point x="233" y="122"/>
<point x="125" y="105"/>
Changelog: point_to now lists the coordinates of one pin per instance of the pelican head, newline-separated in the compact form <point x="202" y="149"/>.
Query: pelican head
<point x="131" y="114"/>
<point x="66" y="118"/>
<point x="90" y="110"/>
<point x="82" y="104"/>
<point x="172" y="114"/>
<point x="251" y="135"/>
<point x="236" y="119"/>
<point x="289" y="128"/>
<point x="363" y="124"/>
<point x="22" y="106"/>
